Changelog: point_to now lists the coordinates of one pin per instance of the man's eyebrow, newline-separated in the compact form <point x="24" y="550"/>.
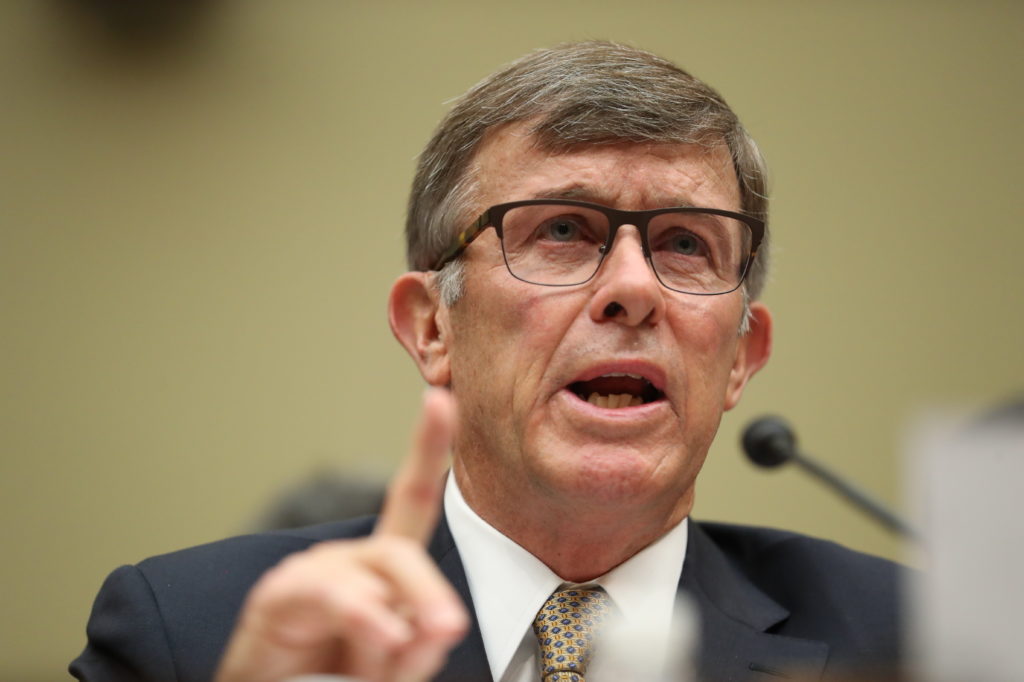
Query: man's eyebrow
<point x="583" y="193"/>
<point x="577" y="192"/>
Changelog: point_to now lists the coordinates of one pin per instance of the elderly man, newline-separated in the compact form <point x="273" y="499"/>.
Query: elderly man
<point x="587" y="234"/>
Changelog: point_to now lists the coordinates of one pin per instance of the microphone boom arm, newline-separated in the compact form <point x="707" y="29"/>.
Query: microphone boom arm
<point x="855" y="496"/>
<point x="769" y="442"/>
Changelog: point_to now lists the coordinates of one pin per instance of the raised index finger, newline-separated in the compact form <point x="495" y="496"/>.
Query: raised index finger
<point x="413" y="500"/>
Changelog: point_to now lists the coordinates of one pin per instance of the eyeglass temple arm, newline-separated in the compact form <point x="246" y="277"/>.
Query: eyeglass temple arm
<point x="462" y="240"/>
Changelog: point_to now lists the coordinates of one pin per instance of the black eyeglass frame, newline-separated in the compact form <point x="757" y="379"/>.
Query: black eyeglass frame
<point x="493" y="217"/>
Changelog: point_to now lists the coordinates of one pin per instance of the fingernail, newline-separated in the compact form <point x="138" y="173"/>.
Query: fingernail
<point x="397" y="633"/>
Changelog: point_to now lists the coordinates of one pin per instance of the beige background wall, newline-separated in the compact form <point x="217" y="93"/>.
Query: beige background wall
<point x="198" y="236"/>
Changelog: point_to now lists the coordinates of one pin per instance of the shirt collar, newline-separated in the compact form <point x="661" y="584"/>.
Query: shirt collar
<point x="509" y="585"/>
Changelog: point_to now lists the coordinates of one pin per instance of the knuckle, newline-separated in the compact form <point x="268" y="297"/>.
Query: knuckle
<point x="303" y="575"/>
<point x="398" y="545"/>
<point x="273" y="585"/>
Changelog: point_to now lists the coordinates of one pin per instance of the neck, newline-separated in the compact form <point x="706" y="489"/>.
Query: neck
<point x="579" y="540"/>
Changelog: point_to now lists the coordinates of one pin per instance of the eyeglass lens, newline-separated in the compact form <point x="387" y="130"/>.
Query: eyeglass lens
<point x="563" y="244"/>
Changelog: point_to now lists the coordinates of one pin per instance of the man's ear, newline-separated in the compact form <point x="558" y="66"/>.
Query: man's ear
<point x="751" y="354"/>
<point x="420" y="323"/>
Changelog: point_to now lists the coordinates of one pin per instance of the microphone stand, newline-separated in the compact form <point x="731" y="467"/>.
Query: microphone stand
<point x="770" y="442"/>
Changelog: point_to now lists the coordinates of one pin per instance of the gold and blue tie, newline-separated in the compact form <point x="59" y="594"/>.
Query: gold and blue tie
<point x="565" y="627"/>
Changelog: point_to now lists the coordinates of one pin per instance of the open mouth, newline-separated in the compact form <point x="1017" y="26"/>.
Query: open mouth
<point x="617" y="390"/>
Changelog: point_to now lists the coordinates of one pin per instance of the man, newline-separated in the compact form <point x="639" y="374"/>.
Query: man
<point x="586" y="232"/>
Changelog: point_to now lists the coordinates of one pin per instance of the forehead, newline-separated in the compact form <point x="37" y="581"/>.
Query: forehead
<point x="510" y="165"/>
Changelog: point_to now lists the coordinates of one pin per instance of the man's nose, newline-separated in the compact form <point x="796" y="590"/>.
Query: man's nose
<point x="627" y="290"/>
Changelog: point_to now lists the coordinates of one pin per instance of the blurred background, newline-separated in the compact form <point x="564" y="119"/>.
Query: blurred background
<point x="201" y="205"/>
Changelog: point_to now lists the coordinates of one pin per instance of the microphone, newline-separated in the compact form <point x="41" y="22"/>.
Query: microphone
<point x="770" y="442"/>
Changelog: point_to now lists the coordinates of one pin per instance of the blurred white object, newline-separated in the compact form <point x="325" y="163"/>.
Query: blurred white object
<point x="634" y="652"/>
<point x="967" y="608"/>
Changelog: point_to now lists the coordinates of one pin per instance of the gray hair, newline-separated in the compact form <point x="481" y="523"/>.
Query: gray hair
<point x="593" y="92"/>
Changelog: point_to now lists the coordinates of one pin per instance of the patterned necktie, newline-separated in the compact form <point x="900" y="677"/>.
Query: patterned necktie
<point x="565" y="627"/>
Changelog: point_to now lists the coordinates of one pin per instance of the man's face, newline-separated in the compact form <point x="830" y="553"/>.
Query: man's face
<point x="525" y="358"/>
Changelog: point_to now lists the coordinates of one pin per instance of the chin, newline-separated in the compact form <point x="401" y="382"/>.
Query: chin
<point x="611" y="474"/>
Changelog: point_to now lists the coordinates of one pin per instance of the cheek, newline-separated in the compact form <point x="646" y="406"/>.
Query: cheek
<point x="504" y="342"/>
<point x="706" y="330"/>
<point x="501" y="346"/>
<point x="534" y="325"/>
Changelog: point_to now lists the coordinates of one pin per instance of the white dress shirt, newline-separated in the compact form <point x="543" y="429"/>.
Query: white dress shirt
<point x="509" y="585"/>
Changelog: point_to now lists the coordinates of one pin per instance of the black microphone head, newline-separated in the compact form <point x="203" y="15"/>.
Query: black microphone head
<point x="769" y="442"/>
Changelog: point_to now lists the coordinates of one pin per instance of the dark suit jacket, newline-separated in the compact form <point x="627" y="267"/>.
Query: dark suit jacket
<point x="772" y="604"/>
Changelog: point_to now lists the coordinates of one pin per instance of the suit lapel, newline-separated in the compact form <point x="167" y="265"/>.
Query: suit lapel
<point x="468" y="660"/>
<point x="735" y="617"/>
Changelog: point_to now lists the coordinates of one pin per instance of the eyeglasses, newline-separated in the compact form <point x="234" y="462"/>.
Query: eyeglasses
<point x="558" y="243"/>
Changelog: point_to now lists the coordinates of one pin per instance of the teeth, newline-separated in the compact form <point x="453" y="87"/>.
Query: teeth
<point x="625" y="374"/>
<point x="615" y="400"/>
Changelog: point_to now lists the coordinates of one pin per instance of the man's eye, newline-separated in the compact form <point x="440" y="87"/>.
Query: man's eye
<point x="686" y="244"/>
<point x="560" y="230"/>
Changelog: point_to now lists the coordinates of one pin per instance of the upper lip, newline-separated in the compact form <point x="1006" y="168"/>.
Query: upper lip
<point x="642" y="368"/>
